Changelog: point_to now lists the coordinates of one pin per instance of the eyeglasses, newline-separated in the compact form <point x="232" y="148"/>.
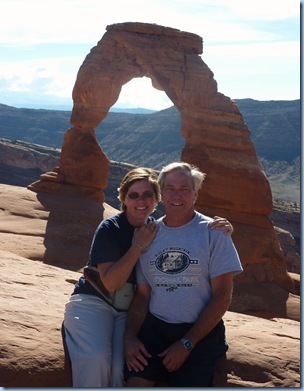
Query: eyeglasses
<point x="145" y="195"/>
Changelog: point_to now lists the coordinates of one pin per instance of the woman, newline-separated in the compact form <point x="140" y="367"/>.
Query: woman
<point x="94" y="329"/>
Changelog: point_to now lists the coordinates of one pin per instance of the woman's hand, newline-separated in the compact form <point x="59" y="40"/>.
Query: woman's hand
<point x="221" y="223"/>
<point x="144" y="235"/>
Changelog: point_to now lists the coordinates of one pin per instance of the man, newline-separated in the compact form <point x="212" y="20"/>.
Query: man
<point x="175" y="332"/>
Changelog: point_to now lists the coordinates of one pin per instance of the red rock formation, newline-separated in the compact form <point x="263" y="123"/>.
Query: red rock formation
<point x="264" y="349"/>
<point x="217" y="139"/>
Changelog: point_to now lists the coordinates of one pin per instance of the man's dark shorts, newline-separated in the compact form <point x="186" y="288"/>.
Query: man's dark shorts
<point x="197" y="370"/>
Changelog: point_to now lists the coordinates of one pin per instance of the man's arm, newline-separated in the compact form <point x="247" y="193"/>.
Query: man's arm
<point x="222" y="287"/>
<point x="135" y="351"/>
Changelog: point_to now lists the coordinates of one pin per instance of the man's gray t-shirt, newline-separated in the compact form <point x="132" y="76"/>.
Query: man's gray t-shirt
<point x="179" y="265"/>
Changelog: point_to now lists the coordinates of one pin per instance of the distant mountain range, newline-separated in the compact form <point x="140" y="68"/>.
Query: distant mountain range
<point x="142" y="137"/>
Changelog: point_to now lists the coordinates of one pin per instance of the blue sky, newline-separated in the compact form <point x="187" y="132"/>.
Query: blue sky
<point x="252" y="47"/>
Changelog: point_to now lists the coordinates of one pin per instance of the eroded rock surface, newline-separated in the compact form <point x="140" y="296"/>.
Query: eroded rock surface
<point x="263" y="335"/>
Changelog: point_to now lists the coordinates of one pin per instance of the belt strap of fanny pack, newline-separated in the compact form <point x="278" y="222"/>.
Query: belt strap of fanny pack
<point x="91" y="274"/>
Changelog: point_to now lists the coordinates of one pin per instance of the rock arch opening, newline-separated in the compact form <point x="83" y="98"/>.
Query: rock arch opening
<point x="147" y="138"/>
<point x="140" y="93"/>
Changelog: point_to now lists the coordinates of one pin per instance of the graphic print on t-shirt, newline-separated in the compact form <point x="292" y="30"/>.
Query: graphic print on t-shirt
<point x="170" y="263"/>
<point x="173" y="262"/>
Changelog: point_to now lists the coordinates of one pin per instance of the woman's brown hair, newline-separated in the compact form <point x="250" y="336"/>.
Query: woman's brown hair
<point x="137" y="174"/>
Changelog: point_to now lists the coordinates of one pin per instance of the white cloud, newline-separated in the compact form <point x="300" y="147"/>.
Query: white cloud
<point x="139" y="92"/>
<point x="49" y="76"/>
<point x="264" y="9"/>
<point x="42" y="21"/>
<point x="272" y="50"/>
<point x="248" y="54"/>
<point x="263" y="71"/>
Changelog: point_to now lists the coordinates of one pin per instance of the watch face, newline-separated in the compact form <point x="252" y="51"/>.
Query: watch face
<point x="187" y="344"/>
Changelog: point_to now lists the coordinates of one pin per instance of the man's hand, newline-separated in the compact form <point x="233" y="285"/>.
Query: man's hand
<point x="174" y="356"/>
<point x="136" y="354"/>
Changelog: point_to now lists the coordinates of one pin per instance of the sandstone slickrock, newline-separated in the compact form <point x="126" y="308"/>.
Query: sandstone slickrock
<point x="264" y="349"/>
<point x="216" y="137"/>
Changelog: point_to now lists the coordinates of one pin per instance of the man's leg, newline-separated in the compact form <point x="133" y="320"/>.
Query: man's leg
<point x="199" y="368"/>
<point x="151" y="336"/>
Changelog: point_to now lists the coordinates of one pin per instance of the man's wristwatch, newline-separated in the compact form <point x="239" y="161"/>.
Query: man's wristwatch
<point x="187" y="344"/>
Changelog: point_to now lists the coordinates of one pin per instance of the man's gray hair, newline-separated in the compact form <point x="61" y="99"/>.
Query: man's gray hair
<point x="196" y="174"/>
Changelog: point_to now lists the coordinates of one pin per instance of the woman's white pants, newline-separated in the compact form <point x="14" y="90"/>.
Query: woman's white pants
<point x="94" y="337"/>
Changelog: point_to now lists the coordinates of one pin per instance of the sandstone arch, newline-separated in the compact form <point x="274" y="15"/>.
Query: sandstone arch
<point x="216" y="137"/>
